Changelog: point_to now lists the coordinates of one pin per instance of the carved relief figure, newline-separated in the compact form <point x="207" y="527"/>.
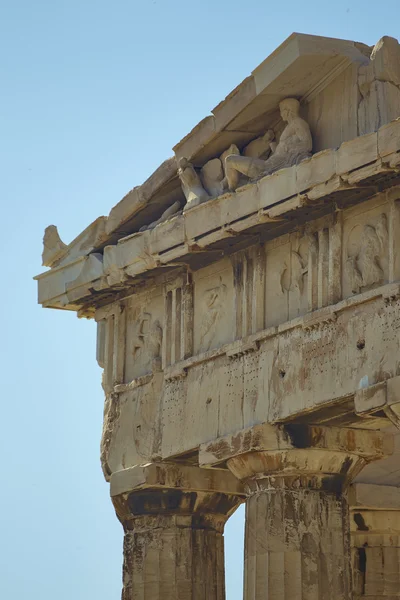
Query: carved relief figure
<point x="299" y="270"/>
<point x="155" y="345"/>
<point x="147" y="340"/>
<point x="293" y="279"/>
<point x="364" y="268"/>
<point x="141" y="330"/>
<point x="294" y="145"/>
<point x="213" y="305"/>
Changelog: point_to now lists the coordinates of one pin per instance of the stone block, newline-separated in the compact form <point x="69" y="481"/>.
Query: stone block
<point x="389" y="138"/>
<point x="234" y="103"/>
<point x="385" y="58"/>
<point x="52" y="284"/>
<point x="173" y="476"/>
<point x="164" y="173"/>
<point x="122" y="212"/>
<point x="393" y="390"/>
<point x="92" y="269"/>
<point x="277" y="187"/>
<point x="370" y="399"/>
<point x="91" y="238"/>
<point x="357" y="153"/>
<point x="266" y="437"/>
<point x="315" y="170"/>
<point x="243" y="202"/>
<point x="167" y="235"/>
<point x="202" y="218"/>
<point x="380" y="106"/>
<point x="371" y="496"/>
<point x="196" y="139"/>
<point x="139" y="196"/>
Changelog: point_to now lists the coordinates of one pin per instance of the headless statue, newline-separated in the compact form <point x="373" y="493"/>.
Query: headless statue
<point x="191" y="184"/>
<point x="295" y="144"/>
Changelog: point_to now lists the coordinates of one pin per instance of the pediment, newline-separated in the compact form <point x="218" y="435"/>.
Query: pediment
<point x="301" y="67"/>
<point x="345" y="89"/>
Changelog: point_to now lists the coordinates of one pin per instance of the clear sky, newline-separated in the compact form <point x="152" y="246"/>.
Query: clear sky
<point x="94" y="95"/>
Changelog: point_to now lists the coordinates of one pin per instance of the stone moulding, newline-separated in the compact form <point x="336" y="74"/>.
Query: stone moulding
<point x="373" y="164"/>
<point x="173" y="476"/>
<point x="287" y="438"/>
<point x="381" y="396"/>
<point x="121" y="388"/>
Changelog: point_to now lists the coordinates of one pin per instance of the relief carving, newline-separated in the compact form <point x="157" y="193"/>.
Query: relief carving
<point x="147" y="338"/>
<point x="141" y="330"/>
<point x="155" y="345"/>
<point x="299" y="270"/>
<point x="364" y="262"/>
<point x="295" y="145"/>
<point x="292" y="278"/>
<point x="213" y="306"/>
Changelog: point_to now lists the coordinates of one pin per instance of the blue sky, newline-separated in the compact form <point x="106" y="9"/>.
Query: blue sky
<point x="94" y="95"/>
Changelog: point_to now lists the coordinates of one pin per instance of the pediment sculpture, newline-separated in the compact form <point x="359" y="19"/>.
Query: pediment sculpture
<point x="260" y="157"/>
<point x="295" y="145"/>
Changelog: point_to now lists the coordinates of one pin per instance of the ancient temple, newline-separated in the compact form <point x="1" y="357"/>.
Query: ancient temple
<point x="247" y="301"/>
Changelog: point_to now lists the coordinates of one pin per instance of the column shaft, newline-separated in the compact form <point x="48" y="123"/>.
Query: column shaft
<point x="173" y="518"/>
<point x="169" y="558"/>
<point x="296" y="477"/>
<point x="375" y="541"/>
<point x="296" y="546"/>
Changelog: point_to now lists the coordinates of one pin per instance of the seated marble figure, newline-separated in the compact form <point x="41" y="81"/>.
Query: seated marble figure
<point x="295" y="145"/>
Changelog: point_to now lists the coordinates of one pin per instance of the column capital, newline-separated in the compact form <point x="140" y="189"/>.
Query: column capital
<point x="296" y="455"/>
<point x="173" y="517"/>
<point x="186" y="495"/>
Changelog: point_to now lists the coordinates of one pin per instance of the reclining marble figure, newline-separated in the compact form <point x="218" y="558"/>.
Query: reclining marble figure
<point x="171" y="211"/>
<point x="294" y="146"/>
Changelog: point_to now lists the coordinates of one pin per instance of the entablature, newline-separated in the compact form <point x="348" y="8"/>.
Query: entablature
<point x="285" y="201"/>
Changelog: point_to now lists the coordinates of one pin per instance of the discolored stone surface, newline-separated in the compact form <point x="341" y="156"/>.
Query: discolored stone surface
<point x="247" y="298"/>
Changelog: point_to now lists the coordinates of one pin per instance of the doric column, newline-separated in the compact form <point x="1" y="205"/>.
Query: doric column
<point x="297" y="544"/>
<point x="375" y="541"/>
<point x="173" y="518"/>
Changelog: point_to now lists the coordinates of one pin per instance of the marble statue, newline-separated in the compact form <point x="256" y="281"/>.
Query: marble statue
<point x="171" y="211"/>
<point x="260" y="147"/>
<point x="213" y="176"/>
<point x="191" y="184"/>
<point x="294" y="145"/>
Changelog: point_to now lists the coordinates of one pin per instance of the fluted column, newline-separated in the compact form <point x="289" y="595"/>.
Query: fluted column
<point x="375" y="541"/>
<point x="173" y="518"/>
<point x="297" y="544"/>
